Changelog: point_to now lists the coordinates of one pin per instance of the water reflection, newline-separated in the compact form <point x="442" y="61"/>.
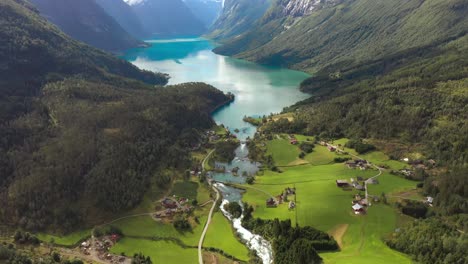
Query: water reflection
<point x="259" y="90"/>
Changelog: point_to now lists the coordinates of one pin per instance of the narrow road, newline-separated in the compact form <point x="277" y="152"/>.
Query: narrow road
<point x="373" y="165"/>
<point x="200" y="243"/>
<point x="204" y="160"/>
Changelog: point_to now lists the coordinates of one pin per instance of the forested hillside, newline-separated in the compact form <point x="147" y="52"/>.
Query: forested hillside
<point x="80" y="130"/>
<point x="237" y="17"/>
<point x="86" y="21"/>
<point x="382" y="69"/>
<point x="336" y="32"/>
<point x="415" y="97"/>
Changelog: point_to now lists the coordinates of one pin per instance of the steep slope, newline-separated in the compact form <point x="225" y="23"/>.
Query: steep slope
<point x="167" y="17"/>
<point x="346" y="32"/>
<point x="206" y="11"/>
<point x="84" y="133"/>
<point x="86" y="21"/>
<point x="124" y="15"/>
<point x="237" y="17"/>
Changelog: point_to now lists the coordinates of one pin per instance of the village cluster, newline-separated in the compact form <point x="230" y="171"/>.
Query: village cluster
<point x="173" y="206"/>
<point x="99" y="248"/>
<point x="283" y="198"/>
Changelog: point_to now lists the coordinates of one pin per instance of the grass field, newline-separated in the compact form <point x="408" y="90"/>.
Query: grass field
<point x="144" y="226"/>
<point x="220" y="235"/>
<point x="67" y="240"/>
<point x="159" y="251"/>
<point x="282" y="151"/>
<point x="324" y="206"/>
<point x="187" y="189"/>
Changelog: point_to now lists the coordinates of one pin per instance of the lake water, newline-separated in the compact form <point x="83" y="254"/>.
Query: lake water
<point x="259" y="90"/>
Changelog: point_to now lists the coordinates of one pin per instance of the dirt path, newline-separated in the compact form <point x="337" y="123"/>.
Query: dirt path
<point x="200" y="243"/>
<point x="338" y="233"/>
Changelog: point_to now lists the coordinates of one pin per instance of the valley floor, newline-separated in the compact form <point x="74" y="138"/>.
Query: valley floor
<point x="320" y="203"/>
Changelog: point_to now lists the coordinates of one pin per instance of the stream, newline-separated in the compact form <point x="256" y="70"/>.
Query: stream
<point x="259" y="90"/>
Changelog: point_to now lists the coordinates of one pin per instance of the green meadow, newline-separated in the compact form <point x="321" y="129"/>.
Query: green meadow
<point x="66" y="240"/>
<point x="282" y="151"/>
<point x="220" y="235"/>
<point x="321" y="204"/>
<point x="159" y="251"/>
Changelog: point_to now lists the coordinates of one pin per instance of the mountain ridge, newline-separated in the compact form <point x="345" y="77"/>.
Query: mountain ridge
<point x="88" y="22"/>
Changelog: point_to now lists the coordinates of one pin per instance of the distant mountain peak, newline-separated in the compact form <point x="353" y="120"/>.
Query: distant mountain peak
<point x="134" y="2"/>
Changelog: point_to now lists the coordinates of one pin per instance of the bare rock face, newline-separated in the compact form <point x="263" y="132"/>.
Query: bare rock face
<point x="298" y="8"/>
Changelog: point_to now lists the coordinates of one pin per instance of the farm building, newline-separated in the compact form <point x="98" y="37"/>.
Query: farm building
<point x="342" y="183"/>
<point x="429" y="200"/>
<point x="372" y="181"/>
<point x="169" y="203"/>
<point x="271" y="202"/>
<point x="358" y="209"/>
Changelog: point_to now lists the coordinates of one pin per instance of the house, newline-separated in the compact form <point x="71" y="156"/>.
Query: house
<point x="271" y="202"/>
<point x="372" y="181"/>
<point x="183" y="200"/>
<point x="293" y="141"/>
<point x="358" y="208"/>
<point x="169" y="203"/>
<point x="342" y="183"/>
<point x="115" y="238"/>
<point x="432" y="162"/>
<point x="364" y="202"/>
<point x="323" y="143"/>
<point x="292" y="205"/>
<point x="357" y="186"/>
<point x="331" y="148"/>
<point x="407" y="172"/>
<point x="290" y="191"/>
<point x="351" y="164"/>
<point x="429" y="200"/>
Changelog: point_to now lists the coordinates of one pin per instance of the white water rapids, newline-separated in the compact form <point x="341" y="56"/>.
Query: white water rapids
<point x="254" y="242"/>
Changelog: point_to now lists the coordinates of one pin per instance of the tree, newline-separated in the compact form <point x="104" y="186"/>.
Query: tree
<point x="141" y="259"/>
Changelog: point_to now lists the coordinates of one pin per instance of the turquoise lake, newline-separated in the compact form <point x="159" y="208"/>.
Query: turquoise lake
<point x="259" y="90"/>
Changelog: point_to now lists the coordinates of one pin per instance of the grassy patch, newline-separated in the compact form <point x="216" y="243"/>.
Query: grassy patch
<point x="282" y="151"/>
<point x="66" y="240"/>
<point x="324" y="206"/>
<point x="220" y="235"/>
<point x="159" y="251"/>
<point x="187" y="189"/>
<point x="145" y="226"/>
<point x="321" y="156"/>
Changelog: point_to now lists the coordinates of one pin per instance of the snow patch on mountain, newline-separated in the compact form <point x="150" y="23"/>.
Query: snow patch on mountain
<point x="298" y="8"/>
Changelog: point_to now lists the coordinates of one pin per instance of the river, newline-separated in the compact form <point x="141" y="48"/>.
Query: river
<point x="259" y="90"/>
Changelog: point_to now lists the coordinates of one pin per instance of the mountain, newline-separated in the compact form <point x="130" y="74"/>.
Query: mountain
<point x="311" y="35"/>
<point x="86" y="21"/>
<point x="83" y="133"/>
<point x="124" y="15"/>
<point x="237" y="17"/>
<point x="167" y="17"/>
<point x="206" y="11"/>
<point x="389" y="71"/>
